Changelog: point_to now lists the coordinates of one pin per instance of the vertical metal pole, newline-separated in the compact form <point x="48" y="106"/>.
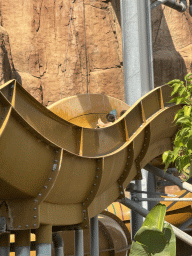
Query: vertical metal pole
<point x="4" y="245"/>
<point x="79" y="245"/>
<point x="94" y="236"/>
<point x="44" y="240"/>
<point x="137" y="64"/>
<point x="22" y="243"/>
<point x="58" y="244"/>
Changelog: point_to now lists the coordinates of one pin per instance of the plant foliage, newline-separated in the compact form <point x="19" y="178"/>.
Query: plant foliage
<point x="181" y="154"/>
<point x="154" y="237"/>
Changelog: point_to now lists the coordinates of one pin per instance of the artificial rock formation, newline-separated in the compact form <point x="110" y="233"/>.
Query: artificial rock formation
<point x="62" y="48"/>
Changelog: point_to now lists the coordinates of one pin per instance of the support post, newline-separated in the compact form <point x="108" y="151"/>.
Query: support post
<point x="137" y="65"/>
<point x="58" y="244"/>
<point x="44" y="240"/>
<point x="79" y="244"/>
<point x="94" y="236"/>
<point x="22" y="243"/>
<point x="4" y="244"/>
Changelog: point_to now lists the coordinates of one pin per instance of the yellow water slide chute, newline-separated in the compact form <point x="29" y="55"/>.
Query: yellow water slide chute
<point x="57" y="169"/>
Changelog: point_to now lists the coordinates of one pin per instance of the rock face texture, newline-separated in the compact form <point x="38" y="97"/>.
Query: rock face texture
<point x="58" y="48"/>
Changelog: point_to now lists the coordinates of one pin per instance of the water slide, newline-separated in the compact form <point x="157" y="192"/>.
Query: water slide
<point x="56" y="168"/>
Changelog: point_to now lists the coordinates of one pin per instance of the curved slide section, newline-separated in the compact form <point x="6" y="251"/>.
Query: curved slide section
<point x="55" y="168"/>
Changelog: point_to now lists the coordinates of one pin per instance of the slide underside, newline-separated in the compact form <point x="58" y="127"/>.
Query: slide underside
<point x="57" y="168"/>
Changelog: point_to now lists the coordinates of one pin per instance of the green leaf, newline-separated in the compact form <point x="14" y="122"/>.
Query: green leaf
<point x="180" y="100"/>
<point x="176" y="88"/>
<point x="154" y="237"/>
<point x="175" y="152"/>
<point x="187" y="110"/>
<point x="188" y="77"/>
<point x="183" y="120"/>
<point x="179" y="113"/>
<point x="154" y="219"/>
<point x="174" y="81"/>
<point x="182" y="91"/>
<point x="138" y="249"/>
<point x="165" y="156"/>
<point x="189" y="143"/>
<point x="173" y="100"/>
<point x="170" y="248"/>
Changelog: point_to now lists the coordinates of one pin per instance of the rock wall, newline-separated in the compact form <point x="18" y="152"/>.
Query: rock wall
<point x="62" y="48"/>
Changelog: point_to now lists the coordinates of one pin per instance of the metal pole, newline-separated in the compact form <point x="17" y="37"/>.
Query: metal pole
<point x="164" y="199"/>
<point x="137" y="65"/>
<point x="58" y="244"/>
<point x="79" y="245"/>
<point x="186" y="224"/>
<point x="179" y="233"/>
<point x="180" y="7"/>
<point x="94" y="236"/>
<point x="43" y="240"/>
<point x="22" y="243"/>
<point x="4" y="244"/>
<point x="157" y="3"/>
<point x="169" y="206"/>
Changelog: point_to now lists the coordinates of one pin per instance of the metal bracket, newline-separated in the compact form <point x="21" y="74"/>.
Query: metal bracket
<point x="180" y="7"/>
<point x="93" y="191"/>
<point x="147" y="135"/>
<point x="122" y="178"/>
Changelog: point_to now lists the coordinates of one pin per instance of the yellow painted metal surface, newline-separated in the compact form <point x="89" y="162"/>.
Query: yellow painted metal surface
<point x="56" y="169"/>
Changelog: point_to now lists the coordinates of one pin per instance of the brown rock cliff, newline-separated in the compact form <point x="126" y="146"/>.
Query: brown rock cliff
<point x="61" y="48"/>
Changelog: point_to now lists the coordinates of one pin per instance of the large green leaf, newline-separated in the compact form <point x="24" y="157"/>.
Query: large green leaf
<point x="154" y="237"/>
<point x="138" y="249"/>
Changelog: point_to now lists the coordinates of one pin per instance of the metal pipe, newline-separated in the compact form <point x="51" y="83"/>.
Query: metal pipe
<point x="157" y="3"/>
<point x="171" y="178"/>
<point x="4" y="244"/>
<point x="58" y="244"/>
<point x="94" y="236"/>
<point x="169" y="206"/>
<point x="137" y="65"/>
<point x="43" y="240"/>
<point x="186" y="224"/>
<point x="180" y="7"/>
<point x="79" y="244"/>
<point x="149" y="193"/>
<point x="22" y="243"/>
<point x="158" y="199"/>
<point x="143" y="212"/>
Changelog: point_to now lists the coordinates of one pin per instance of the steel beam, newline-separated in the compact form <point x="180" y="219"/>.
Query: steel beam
<point x="79" y="244"/>
<point x="94" y="236"/>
